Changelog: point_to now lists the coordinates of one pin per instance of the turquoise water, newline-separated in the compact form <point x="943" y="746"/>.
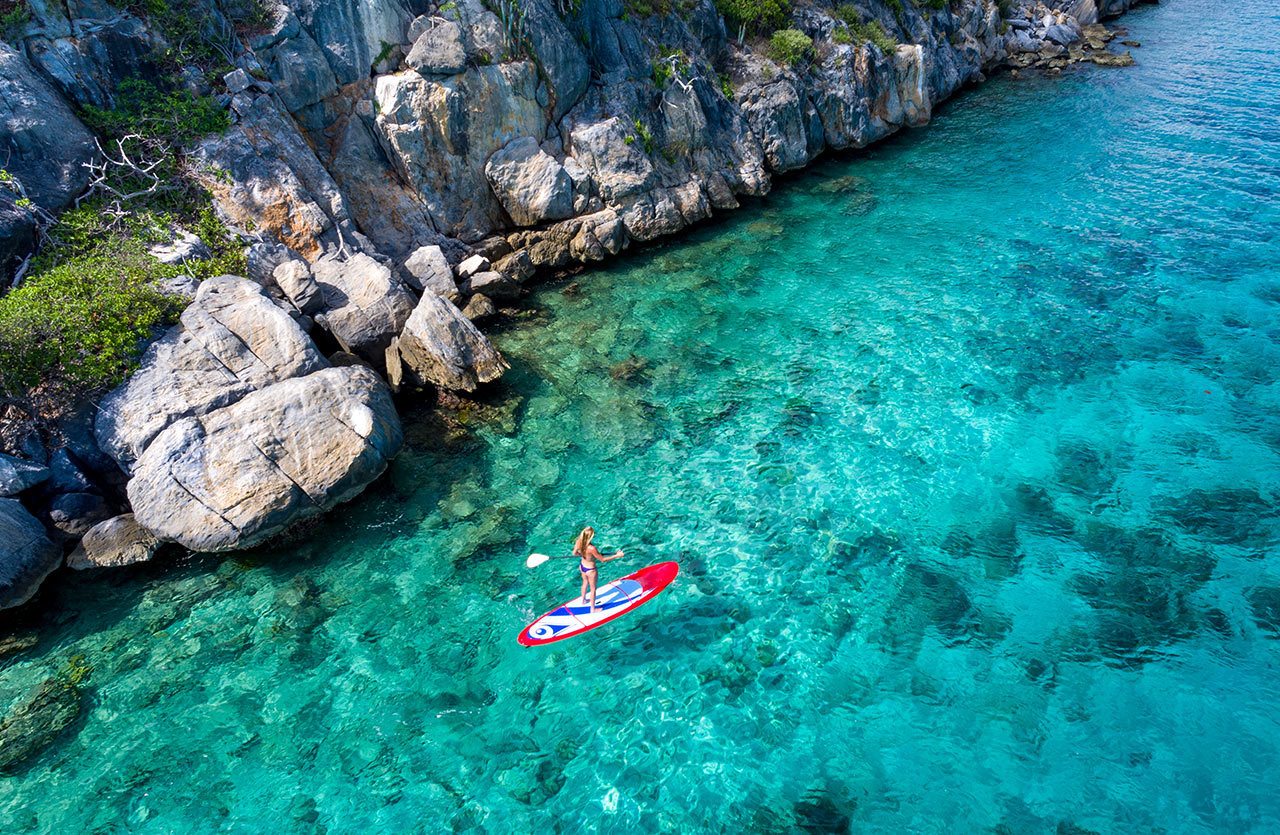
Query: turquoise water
<point x="967" y="446"/>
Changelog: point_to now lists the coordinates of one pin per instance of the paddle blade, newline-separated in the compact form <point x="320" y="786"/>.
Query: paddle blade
<point x="536" y="560"/>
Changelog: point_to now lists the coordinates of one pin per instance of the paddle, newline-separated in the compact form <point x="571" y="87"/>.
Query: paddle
<point x="535" y="560"/>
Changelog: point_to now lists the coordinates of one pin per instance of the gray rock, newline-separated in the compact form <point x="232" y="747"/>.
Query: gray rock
<point x="365" y="305"/>
<point x="438" y="50"/>
<point x="115" y="542"/>
<point x="517" y="266"/>
<point x="66" y="475"/>
<point x="237" y="81"/>
<point x="17" y="475"/>
<point x="184" y="247"/>
<point x="495" y="285"/>
<point x="18" y="228"/>
<point x="26" y="554"/>
<point x="615" y="159"/>
<point x="479" y="308"/>
<point x="440" y="347"/>
<point x="45" y="145"/>
<point x="427" y="270"/>
<point x="298" y="286"/>
<point x="530" y="184"/>
<point x="241" y="474"/>
<point x="231" y="341"/>
<point x="1063" y="34"/>
<point x="73" y="514"/>
<point x="183" y="287"/>
<point x="472" y="265"/>
<point x="587" y="238"/>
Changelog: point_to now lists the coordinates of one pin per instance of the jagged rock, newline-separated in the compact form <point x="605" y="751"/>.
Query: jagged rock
<point x="365" y="305"/>
<point x="183" y="287"/>
<point x="18" y="228"/>
<point x="350" y="33"/>
<point x="560" y="56"/>
<point x="231" y="341"/>
<point x="438" y="50"/>
<point x="45" y="145"/>
<point x="495" y="285"/>
<point x="300" y="73"/>
<point x="298" y="286"/>
<point x="26" y="555"/>
<point x="517" y="266"/>
<point x="472" y="265"/>
<point x="530" y="184"/>
<point x="184" y="247"/>
<point x="73" y="514"/>
<point x="587" y="238"/>
<point x="777" y="112"/>
<point x="35" y="722"/>
<point x="87" y="48"/>
<point x="237" y="81"/>
<point x="17" y="475"/>
<point x="439" y="346"/>
<point x="1063" y="34"/>
<point x="613" y="155"/>
<point x="1112" y="59"/>
<point x="243" y="473"/>
<point x="115" y="542"/>
<point x="427" y="270"/>
<point x="479" y="308"/>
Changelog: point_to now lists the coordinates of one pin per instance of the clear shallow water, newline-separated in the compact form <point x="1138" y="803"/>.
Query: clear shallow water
<point x="968" y="449"/>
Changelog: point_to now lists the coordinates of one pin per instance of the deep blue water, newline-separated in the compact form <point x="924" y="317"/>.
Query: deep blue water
<point x="968" y="448"/>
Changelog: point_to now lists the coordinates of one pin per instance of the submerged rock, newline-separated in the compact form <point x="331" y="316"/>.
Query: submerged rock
<point x="35" y="722"/>
<point x="26" y="554"/>
<point x="243" y="473"/>
<point x="117" y="541"/>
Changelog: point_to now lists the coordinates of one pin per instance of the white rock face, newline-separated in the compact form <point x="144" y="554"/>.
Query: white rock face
<point x="117" y="541"/>
<point x="530" y="184"/>
<point x="440" y="346"/>
<point x="231" y="341"/>
<point x="243" y="473"/>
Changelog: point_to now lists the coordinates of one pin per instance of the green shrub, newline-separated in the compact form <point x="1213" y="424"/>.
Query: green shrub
<point x="726" y="86"/>
<point x="14" y="15"/>
<point x="790" y="46"/>
<point x="171" y="115"/>
<point x="756" y="16"/>
<point x="896" y="7"/>
<point x="646" y="135"/>
<point x="874" y="33"/>
<point x="841" y="35"/>
<point x="671" y="62"/>
<point x="1006" y="8"/>
<point x="936" y="5"/>
<point x="848" y="13"/>
<point x="79" y="325"/>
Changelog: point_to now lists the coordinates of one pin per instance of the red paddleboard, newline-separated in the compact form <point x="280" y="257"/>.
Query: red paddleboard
<point x="613" y="600"/>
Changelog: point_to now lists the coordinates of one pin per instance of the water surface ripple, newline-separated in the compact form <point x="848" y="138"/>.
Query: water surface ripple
<point x="968" y="448"/>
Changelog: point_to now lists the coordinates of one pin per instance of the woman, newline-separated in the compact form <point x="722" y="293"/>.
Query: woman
<point x="588" y="555"/>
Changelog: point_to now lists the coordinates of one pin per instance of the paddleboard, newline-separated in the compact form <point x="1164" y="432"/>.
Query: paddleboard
<point x="613" y="600"/>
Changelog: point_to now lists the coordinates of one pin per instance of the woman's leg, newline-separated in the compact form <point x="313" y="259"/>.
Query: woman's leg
<point x="591" y="578"/>
<point x="584" y="588"/>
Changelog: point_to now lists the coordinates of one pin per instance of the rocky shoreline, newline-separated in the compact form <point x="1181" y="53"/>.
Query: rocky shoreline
<point x="399" y="171"/>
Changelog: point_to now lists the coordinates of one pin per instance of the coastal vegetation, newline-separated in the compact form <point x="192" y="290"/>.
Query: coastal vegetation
<point x="790" y="46"/>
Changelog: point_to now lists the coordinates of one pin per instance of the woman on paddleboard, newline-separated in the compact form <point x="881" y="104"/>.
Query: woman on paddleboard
<point x="588" y="555"/>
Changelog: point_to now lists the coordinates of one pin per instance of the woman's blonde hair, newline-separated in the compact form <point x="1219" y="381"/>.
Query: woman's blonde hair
<point x="581" y="544"/>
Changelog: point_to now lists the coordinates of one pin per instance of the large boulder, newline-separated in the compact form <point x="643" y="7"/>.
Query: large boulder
<point x="26" y="554"/>
<point x="365" y="305"/>
<point x="117" y="541"/>
<point x="231" y="341"/>
<point x="440" y="346"/>
<point x="530" y="184"/>
<point x="241" y="474"/>
<point x="17" y="475"/>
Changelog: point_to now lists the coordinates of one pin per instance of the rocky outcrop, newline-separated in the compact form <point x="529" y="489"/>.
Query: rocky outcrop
<point x="113" y="543"/>
<point x="241" y="474"/>
<point x="231" y="341"/>
<point x="529" y="183"/>
<point x="439" y="346"/>
<point x="26" y="554"/>
<point x="427" y="270"/>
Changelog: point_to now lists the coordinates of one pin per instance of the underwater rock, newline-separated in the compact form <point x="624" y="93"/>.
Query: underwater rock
<point x="34" y="723"/>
